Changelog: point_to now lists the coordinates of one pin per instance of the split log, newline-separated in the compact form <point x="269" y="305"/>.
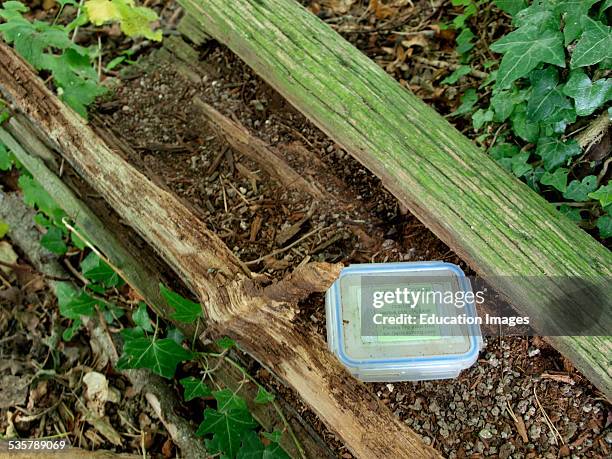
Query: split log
<point x="233" y="303"/>
<point x="498" y="225"/>
<point x="138" y="273"/>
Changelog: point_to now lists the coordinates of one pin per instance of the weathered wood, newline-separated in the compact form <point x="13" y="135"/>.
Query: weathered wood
<point x="503" y="229"/>
<point x="256" y="150"/>
<point x="234" y="304"/>
<point x="139" y="275"/>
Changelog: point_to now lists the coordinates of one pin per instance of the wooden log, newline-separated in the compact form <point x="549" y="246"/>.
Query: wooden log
<point x="233" y="303"/>
<point x="139" y="275"/>
<point x="504" y="230"/>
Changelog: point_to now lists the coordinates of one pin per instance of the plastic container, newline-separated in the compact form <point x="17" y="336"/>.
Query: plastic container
<point x="385" y="352"/>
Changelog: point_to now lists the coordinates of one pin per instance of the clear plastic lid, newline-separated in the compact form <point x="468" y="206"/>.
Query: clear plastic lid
<point x="403" y="321"/>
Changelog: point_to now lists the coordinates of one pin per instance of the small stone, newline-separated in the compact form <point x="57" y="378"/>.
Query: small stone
<point x="533" y="352"/>
<point x="485" y="434"/>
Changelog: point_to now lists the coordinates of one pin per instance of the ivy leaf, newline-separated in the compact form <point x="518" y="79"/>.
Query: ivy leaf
<point x="557" y="179"/>
<point x="511" y="6"/>
<point x="555" y="152"/>
<point x="604" y="224"/>
<point x="71" y="331"/>
<point x="161" y="356"/>
<point x="97" y="270"/>
<point x="185" y="310"/>
<point x="464" y="41"/>
<point x="6" y="160"/>
<point x="194" y="388"/>
<point x="527" y="47"/>
<point x="481" y="117"/>
<point x="503" y="106"/>
<point x="53" y="241"/>
<point x="461" y="71"/>
<point x="263" y="396"/>
<point x="595" y="44"/>
<point x="603" y="195"/>
<point x="526" y="130"/>
<point x="571" y="212"/>
<point x="72" y="303"/>
<point x="468" y="100"/>
<point x="252" y="447"/>
<point x="225" y="342"/>
<point x="35" y="195"/>
<point x="134" y="20"/>
<point x="546" y="96"/>
<point x="579" y="190"/>
<point x="228" y="423"/>
<point x="504" y="150"/>
<point x="519" y="164"/>
<point x="572" y="12"/>
<point x="588" y="96"/>
<point x="76" y="80"/>
<point x="175" y="335"/>
<point x="141" y="317"/>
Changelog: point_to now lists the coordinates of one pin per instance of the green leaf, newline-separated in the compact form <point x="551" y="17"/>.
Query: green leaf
<point x="161" y="356"/>
<point x="579" y="190"/>
<point x="461" y="71"/>
<point x="481" y="117"/>
<point x="503" y="106"/>
<point x="6" y="158"/>
<point x="464" y="41"/>
<point x="263" y="396"/>
<point x="504" y="150"/>
<point x="519" y="164"/>
<point x="468" y="99"/>
<point x="557" y="180"/>
<point x="511" y="6"/>
<point x="141" y="317"/>
<point x="525" y="48"/>
<point x="34" y="195"/>
<point x="135" y="20"/>
<point x="132" y="333"/>
<point x="555" y="152"/>
<point x="252" y="447"/>
<point x="588" y="96"/>
<point x="53" y="241"/>
<point x="228" y="423"/>
<point x="595" y="44"/>
<point x="546" y="96"/>
<point x="194" y="388"/>
<point x="523" y="128"/>
<point x="571" y="212"/>
<point x="97" y="270"/>
<point x="572" y="12"/>
<point x="71" y="331"/>
<point x="4" y="227"/>
<point x="185" y="310"/>
<point x="225" y="342"/>
<point x="604" y="225"/>
<point x="72" y="303"/>
<point x="603" y="195"/>
<point x="76" y="80"/>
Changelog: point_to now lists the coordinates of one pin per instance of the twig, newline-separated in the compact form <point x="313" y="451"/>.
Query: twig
<point x="551" y="426"/>
<point x="284" y="249"/>
<point x="448" y="65"/>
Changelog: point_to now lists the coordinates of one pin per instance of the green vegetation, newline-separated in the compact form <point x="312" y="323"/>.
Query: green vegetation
<point x="554" y="73"/>
<point x="51" y="48"/>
